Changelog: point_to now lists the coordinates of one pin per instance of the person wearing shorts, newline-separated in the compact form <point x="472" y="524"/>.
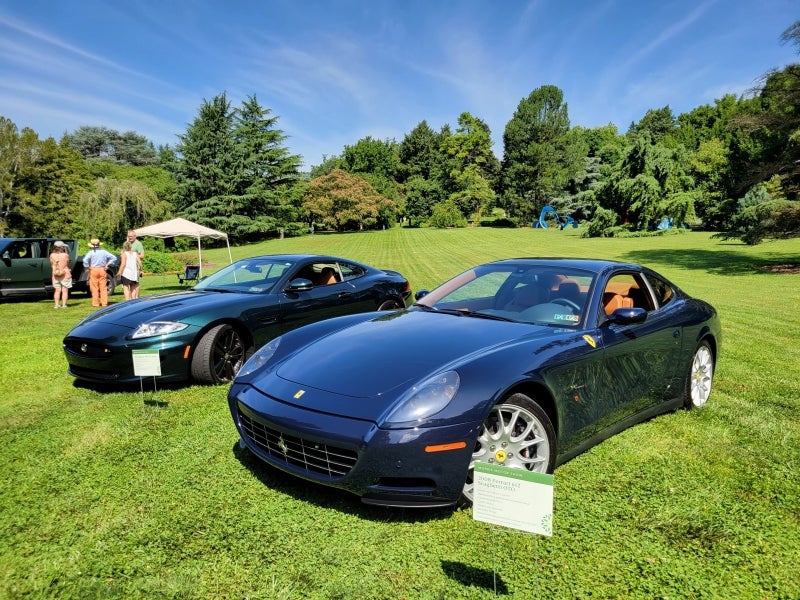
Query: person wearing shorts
<point x="129" y="268"/>
<point x="62" y="277"/>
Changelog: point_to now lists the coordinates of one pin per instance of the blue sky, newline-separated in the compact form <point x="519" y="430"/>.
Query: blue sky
<point x="337" y="71"/>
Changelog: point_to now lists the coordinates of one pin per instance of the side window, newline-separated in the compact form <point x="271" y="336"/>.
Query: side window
<point x="325" y="274"/>
<point x="663" y="291"/>
<point x="350" y="271"/>
<point x="626" y="290"/>
<point x="22" y="250"/>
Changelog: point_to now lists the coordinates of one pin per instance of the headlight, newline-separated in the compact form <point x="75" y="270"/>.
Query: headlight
<point x="426" y="398"/>
<point x="158" y="328"/>
<point x="260" y="358"/>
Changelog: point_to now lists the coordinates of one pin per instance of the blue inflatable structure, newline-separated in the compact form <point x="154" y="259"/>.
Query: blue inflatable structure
<point x="563" y="222"/>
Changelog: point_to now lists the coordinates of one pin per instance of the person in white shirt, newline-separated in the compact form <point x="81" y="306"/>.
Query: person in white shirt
<point x="129" y="267"/>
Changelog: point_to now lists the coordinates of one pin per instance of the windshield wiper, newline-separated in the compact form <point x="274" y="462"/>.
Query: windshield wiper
<point x="463" y="312"/>
<point x="425" y="307"/>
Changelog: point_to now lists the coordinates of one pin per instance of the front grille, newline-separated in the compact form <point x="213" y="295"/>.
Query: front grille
<point x="314" y="457"/>
<point x="87" y="349"/>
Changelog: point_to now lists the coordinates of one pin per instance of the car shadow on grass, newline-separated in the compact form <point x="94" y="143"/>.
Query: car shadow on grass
<point x="328" y="497"/>
<point x="148" y="388"/>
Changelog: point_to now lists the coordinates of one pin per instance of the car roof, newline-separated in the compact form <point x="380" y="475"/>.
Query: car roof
<point x="296" y="257"/>
<point x="588" y="264"/>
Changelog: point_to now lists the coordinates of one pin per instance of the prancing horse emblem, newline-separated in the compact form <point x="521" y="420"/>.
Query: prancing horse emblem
<point x="282" y="445"/>
<point x="299" y="393"/>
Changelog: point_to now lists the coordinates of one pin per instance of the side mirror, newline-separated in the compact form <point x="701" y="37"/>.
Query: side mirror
<point x="299" y="285"/>
<point x="6" y="255"/>
<point x="628" y="316"/>
<point x="420" y="294"/>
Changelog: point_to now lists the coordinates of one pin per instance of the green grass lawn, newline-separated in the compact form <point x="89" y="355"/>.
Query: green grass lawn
<point x="130" y="495"/>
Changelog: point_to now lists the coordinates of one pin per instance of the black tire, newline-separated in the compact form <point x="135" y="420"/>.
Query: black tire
<point x="700" y="376"/>
<point x="219" y="355"/>
<point x="111" y="284"/>
<point x="390" y="304"/>
<point x="518" y="434"/>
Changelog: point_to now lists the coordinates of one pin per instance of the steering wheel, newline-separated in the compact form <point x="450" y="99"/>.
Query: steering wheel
<point x="567" y="302"/>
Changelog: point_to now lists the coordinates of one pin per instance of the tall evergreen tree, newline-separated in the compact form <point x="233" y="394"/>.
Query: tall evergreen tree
<point x="538" y="161"/>
<point x="207" y="166"/>
<point x="265" y="170"/>
<point x="473" y="165"/>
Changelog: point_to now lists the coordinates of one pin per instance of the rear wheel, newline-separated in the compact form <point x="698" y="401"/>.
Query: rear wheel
<point x="219" y="355"/>
<point x="517" y="434"/>
<point x="701" y="376"/>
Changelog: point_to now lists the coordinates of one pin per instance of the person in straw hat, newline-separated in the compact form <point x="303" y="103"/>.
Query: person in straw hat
<point x="97" y="260"/>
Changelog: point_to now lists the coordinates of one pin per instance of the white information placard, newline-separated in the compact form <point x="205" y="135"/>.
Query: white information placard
<point x="513" y="498"/>
<point x="146" y="363"/>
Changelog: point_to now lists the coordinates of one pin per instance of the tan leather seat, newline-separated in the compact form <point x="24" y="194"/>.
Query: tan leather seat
<point x="612" y="302"/>
<point x="327" y="276"/>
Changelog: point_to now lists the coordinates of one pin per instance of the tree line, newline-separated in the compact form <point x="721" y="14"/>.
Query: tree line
<point x="732" y="167"/>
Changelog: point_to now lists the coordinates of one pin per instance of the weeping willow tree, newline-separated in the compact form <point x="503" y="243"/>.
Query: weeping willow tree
<point x="115" y="206"/>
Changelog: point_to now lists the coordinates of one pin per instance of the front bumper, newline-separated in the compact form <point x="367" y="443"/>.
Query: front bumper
<point x="389" y="467"/>
<point x="105" y="354"/>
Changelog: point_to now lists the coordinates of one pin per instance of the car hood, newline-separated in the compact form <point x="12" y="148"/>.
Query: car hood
<point x="377" y="360"/>
<point x="163" y="307"/>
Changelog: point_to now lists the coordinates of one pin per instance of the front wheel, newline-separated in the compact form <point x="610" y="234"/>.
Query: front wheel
<point x="219" y="355"/>
<point x="701" y="376"/>
<point x="517" y="434"/>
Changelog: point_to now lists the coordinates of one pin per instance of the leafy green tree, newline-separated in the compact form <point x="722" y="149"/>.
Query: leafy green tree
<point x="104" y="143"/>
<point x="369" y="155"/>
<point x="658" y="124"/>
<point x="447" y="214"/>
<point x="13" y="160"/>
<point x="538" y="160"/>
<point x="709" y="166"/>
<point x="473" y="165"/>
<point x="421" y="196"/>
<point x="474" y="196"/>
<point x="115" y="206"/>
<point x="420" y="154"/>
<point x="341" y="201"/>
<point x="39" y="181"/>
<point x="650" y="183"/>
<point x="376" y="161"/>
<point x="329" y="163"/>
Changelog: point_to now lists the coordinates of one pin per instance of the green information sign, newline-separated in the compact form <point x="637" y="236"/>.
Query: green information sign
<point x="513" y="498"/>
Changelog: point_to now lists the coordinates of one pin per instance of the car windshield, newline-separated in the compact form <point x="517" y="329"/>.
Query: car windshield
<point x="253" y="275"/>
<point x="539" y="294"/>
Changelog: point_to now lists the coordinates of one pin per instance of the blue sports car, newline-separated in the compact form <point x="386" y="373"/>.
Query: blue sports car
<point x="205" y="334"/>
<point x="523" y="363"/>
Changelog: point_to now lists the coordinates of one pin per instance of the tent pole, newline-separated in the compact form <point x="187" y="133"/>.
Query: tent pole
<point x="200" y="258"/>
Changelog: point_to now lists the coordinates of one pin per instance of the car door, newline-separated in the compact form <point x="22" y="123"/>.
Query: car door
<point x="638" y="358"/>
<point x="23" y="267"/>
<point x="327" y="296"/>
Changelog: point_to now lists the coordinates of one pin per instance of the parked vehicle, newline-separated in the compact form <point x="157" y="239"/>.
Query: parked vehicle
<point x="520" y="363"/>
<point x="206" y="334"/>
<point x="25" y="267"/>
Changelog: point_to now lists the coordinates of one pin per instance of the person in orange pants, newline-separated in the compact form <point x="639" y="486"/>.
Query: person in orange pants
<point x="97" y="261"/>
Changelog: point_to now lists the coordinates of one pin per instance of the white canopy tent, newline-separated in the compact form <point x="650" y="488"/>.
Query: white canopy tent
<point x="184" y="228"/>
